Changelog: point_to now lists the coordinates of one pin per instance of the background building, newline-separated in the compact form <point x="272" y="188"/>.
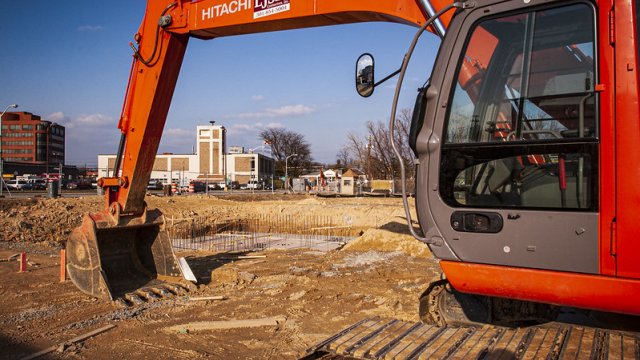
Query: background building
<point x="29" y="139"/>
<point x="211" y="163"/>
<point x="31" y="145"/>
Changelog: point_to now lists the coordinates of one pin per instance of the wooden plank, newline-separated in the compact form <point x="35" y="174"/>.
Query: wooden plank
<point x="498" y="348"/>
<point x="226" y="324"/>
<point x="615" y="346"/>
<point x="381" y="339"/>
<point x="412" y="342"/>
<point x="479" y="337"/>
<point x="434" y="345"/>
<point x="342" y="348"/>
<point x="517" y="341"/>
<point x="205" y="298"/>
<point x="359" y="331"/>
<point x="72" y="341"/>
<point x="588" y="337"/>
<point x="536" y="350"/>
<point x="630" y="347"/>
<point x="571" y="348"/>
<point x="452" y="344"/>
<point x="394" y="343"/>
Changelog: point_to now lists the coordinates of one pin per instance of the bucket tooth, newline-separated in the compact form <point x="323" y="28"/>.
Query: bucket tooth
<point x="148" y="294"/>
<point x="162" y="292"/>
<point x="135" y="299"/>
<point x="176" y="289"/>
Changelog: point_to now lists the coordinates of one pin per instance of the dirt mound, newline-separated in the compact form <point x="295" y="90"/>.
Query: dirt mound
<point x="389" y="241"/>
<point x="43" y="220"/>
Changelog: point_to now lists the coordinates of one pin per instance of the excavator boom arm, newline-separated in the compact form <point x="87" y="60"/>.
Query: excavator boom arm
<point x="161" y="43"/>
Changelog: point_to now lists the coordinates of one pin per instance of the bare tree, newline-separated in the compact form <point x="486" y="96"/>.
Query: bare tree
<point x="284" y="143"/>
<point x="373" y="153"/>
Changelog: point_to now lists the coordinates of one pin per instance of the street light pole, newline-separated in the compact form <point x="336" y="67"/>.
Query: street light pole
<point x="1" y="159"/>
<point x="286" y="172"/>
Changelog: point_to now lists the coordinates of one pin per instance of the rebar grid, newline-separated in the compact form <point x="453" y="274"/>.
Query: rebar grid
<point x="264" y="231"/>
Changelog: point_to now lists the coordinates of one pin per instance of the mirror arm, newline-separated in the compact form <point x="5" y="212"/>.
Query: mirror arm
<point x="388" y="77"/>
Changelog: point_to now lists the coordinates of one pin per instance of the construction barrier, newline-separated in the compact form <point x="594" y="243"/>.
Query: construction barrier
<point x="63" y="264"/>
<point x="23" y="262"/>
<point x="174" y="188"/>
<point x="192" y="188"/>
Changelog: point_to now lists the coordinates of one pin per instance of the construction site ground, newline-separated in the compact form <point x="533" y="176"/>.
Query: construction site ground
<point x="291" y="299"/>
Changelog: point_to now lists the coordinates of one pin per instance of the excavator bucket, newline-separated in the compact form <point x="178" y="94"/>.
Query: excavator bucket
<point x="108" y="259"/>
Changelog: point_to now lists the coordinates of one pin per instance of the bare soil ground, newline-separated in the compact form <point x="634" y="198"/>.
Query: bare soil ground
<point x="307" y="295"/>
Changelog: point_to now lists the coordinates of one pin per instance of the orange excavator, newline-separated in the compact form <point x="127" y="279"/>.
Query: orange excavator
<point x="525" y="137"/>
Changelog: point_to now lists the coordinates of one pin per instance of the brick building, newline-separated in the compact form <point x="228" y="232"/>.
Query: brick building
<point x="26" y="138"/>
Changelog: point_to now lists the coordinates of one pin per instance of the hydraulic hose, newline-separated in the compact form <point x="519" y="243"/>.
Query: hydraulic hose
<point x="392" y="121"/>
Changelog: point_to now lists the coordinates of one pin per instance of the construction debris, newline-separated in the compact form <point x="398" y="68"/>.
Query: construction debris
<point x="186" y="270"/>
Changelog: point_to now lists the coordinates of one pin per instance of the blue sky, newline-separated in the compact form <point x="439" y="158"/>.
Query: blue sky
<point x="69" y="62"/>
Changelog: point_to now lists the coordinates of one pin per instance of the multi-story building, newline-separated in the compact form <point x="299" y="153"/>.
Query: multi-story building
<point x="210" y="163"/>
<point x="26" y="138"/>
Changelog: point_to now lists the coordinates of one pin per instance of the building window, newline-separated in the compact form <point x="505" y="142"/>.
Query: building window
<point x="27" y="127"/>
<point x="17" y="151"/>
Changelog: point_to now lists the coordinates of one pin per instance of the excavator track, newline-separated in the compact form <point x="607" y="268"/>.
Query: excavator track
<point x="376" y="338"/>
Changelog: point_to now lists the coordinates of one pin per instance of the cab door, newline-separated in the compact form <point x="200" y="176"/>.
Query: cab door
<point x="509" y="149"/>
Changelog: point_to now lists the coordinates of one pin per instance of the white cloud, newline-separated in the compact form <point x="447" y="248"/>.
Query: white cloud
<point x="90" y="28"/>
<point x="242" y="128"/>
<point x="238" y="129"/>
<point x="93" y="120"/>
<point x="56" y="117"/>
<point x="179" y="132"/>
<point x="257" y="98"/>
<point x="283" y="111"/>
<point x="177" y="141"/>
<point x="290" y="110"/>
<point x="83" y="123"/>
<point x="274" y="125"/>
<point x="87" y="135"/>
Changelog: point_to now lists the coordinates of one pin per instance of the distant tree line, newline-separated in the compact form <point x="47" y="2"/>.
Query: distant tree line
<point x="371" y="153"/>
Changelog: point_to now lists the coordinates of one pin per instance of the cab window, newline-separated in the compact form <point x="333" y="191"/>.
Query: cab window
<point x="522" y="127"/>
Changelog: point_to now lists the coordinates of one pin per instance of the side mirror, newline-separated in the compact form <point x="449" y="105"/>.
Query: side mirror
<point x="365" y="75"/>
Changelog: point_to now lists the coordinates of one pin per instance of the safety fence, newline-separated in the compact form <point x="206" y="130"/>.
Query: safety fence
<point x="260" y="232"/>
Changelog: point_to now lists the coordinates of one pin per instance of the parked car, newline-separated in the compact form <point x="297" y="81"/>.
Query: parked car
<point x="154" y="185"/>
<point x="39" y="184"/>
<point x="254" y="185"/>
<point x="199" y="186"/>
<point x="78" y="184"/>
<point x="216" y="186"/>
<point x="18" y="185"/>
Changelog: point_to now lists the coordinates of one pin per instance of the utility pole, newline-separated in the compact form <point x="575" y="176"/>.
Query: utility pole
<point x="60" y="178"/>
<point x="286" y="172"/>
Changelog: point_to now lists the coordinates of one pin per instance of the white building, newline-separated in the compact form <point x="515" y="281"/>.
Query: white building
<point x="209" y="163"/>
